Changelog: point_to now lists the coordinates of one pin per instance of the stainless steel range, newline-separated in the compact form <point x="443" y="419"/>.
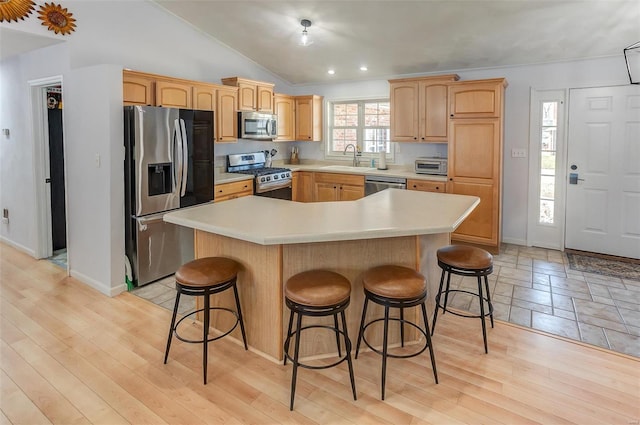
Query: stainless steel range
<point x="269" y="181"/>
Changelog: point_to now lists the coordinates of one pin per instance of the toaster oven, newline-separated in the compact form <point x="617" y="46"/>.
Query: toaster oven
<point x="434" y="166"/>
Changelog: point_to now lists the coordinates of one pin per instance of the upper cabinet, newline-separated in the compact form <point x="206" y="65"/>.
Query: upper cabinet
<point x="204" y="97"/>
<point x="284" y="108"/>
<point x="308" y="111"/>
<point x="226" y="116"/>
<point x="476" y="99"/>
<point x="173" y="94"/>
<point x="138" y="89"/>
<point x="252" y="95"/>
<point x="419" y="108"/>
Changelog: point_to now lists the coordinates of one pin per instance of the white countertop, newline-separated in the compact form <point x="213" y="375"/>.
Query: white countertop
<point x="393" y="171"/>
<point x="389" y="213"/>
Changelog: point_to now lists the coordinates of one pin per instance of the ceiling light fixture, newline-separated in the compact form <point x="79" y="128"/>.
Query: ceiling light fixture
<point x="363" y="68"/>
<point x="304" y="39"/>
<point x="331" y="71"/>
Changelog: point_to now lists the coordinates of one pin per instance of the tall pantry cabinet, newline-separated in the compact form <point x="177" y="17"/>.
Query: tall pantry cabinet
<point x="475" y="156"/>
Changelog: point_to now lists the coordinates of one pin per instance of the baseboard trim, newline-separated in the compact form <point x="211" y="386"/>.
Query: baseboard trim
<point x="17" y="246"/>
<point x="99" y="286"/>
<point x="515" y="241"/>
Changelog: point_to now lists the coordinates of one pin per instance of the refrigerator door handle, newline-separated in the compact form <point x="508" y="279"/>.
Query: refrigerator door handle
<point x="177" y="162"/>
<point x="150" y="219"/>
<point x="185" y="158"/>
<point x="140" y="160"/>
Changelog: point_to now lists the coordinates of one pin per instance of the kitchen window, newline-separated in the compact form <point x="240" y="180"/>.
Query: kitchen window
<point x="363" y="123"/>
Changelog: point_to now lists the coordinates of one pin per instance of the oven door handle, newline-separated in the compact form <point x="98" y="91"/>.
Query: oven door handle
<point x="273" y="187"/>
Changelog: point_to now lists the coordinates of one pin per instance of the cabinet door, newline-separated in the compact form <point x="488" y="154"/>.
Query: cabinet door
<point x="226" y="191"/>
<point x="137" y="90"/>
<point x="404" y="111"/>
<point x="284" y="109"/>
<point x="482" y="224"/>
<point x="227" y="120"/>
<point x="173" y="95"/>
<point x="474" y="148"/>
<point x="475" y="100"/>
<point x="434" y="118"/>
<point x="247" y="97"/>
<point x="308" y="112"/>
<point x="264" y="98"/>
<point x="204" y="97"/>
<point x="302" y="186"/>
<point x="426" y="186"/>
<point x="325" y="192"/>
<point x="351" y="192"/>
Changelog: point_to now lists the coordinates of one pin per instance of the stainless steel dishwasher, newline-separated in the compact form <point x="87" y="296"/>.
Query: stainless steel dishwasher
<point x="373" y="184"/>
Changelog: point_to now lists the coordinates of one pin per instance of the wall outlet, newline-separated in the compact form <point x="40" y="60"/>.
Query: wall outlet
<point x="518" y="153"/>
<point x="5" y="215"/>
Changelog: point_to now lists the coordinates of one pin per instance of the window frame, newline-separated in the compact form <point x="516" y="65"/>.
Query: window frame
<point x="365" y="157"/>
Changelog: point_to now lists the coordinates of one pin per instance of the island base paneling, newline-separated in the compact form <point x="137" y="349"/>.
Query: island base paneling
<point x="267" y="267"/>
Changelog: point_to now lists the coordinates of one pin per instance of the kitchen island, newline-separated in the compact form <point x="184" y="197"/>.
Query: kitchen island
<point x="275" y="239"/>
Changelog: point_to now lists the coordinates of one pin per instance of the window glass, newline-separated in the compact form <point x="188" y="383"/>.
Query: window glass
<point x="547" y="172"/>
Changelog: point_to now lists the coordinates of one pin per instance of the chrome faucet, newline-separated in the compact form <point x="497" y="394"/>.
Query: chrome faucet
<point x="356" y="154"/>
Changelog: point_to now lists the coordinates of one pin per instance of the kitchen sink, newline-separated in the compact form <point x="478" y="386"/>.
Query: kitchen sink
<point x="349" y="168"/>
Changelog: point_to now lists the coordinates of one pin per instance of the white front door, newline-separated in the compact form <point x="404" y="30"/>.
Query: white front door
<point x="603" y="190"/>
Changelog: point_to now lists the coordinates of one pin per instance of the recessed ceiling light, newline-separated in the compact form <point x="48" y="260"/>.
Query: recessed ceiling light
<point x="363" y="68"/>
<point x="331" y="71"/>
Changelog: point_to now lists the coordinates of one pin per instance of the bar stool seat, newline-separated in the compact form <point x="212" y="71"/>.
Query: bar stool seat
<point x="465" y="260"/>
<point x="317" y="293"/>
<point x="394" y="286"/>
<point x="205" y="277"/>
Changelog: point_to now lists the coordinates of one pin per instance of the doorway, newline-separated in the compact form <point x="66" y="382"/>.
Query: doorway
<point x="49" y="162"/>
<point x="603" y="190"/>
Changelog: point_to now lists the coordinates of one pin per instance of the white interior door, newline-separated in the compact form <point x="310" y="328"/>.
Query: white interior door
<point x="603" y="194"/>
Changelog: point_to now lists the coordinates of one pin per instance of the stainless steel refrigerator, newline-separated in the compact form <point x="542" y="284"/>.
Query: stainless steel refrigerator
<point x="168" y="165"/>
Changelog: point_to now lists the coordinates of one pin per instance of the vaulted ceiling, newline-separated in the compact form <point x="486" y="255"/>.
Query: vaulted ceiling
<point x="395" y="37"/>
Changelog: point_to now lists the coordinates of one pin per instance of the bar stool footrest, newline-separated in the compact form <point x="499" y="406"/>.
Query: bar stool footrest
<point x="458" y="312"/>
<point x="332" y="329"/>
<point x="395" y="356"/>
<point x="200" y="341"/>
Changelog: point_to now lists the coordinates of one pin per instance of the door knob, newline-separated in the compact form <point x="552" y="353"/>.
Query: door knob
<point x="573" y="178"/>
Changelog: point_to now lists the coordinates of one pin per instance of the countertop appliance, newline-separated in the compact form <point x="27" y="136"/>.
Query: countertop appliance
<point x="373" y="184"/>
<point x="257" y="125"/>
<point x="168" y="165"/>
<point x="269" y="181"/>
<point x="431" y="165"/>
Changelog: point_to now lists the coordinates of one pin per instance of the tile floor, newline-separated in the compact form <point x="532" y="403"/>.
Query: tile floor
<point x="535" y="287"/>
<point x="532" y="287"/>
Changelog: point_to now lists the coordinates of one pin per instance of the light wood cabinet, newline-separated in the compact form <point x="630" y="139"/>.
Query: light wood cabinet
<point x="252" y="95"/>
<point x="474" y="99"/>
<point x="419" y="108"/>
<point x="204" y="97"/>
<point x="337" y="187"/>
<point x="426" y="185"/>
<point x="137" y="89"/>
<point x="173" y="94"/>
<point x="227" y="117"/>
<point x="302" y="186"/>
<point x="284" y="108"/>
<point x="226" y="191"/>
<point x="475" y="158"/>
<point x="308" y="112"/>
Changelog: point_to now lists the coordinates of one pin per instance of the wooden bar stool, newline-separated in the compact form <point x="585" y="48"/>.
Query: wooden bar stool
<point x="205" y="277"/>
<point x="465" y="260"/>
<point x="317" y="293"/>
<point x="400" y="287"/>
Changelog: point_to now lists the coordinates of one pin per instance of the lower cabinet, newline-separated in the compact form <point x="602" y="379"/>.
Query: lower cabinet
<point x="337" y="187"/>
<point x="426" y="185"/>
<point x="302" y="186"/>
<point x="226" y="191"/>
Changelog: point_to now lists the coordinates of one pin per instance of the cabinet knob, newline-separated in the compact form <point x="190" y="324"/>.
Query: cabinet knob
<point x="451" y="115"/>
<point x="415" y="185"/>
<point x="451" y="179"/>
<point x="415" y="138"/>
<point x="437" y="187"/>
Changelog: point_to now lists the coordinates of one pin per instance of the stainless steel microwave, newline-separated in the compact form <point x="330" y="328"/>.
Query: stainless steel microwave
<point x="257" y="125"/>
<point x="434" y="166"/>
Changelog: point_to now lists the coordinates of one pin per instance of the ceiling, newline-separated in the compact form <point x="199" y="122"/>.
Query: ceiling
<point x="397" y="37"/>
<point x="15" y="42"/>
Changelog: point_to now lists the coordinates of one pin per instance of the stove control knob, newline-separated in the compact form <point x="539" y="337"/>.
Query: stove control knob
<point x="268" y="178"/>
<point x="275" y="177"/>
<point x="283" y="175"/>
<point x="262" y="179"/>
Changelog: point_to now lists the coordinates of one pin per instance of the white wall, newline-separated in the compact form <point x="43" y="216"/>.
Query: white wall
<point x="139" y="35"/>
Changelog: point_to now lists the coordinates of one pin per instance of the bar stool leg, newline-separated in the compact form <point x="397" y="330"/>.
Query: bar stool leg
<point x="446" y="292"/>
<point x="486" y="284"/>
<point x="173" y="323"/>
<point x="484" y="325"/>
<point x="205" y="332"/>
<point x="347" y="347"/>
<point x="288" y="337"/>
<point x="401" y="327"/>
<point x="426" y="327"/>
<point x="244" y="335"/>
<point x="335" y="323"/>
<point x="384" y="347"/>
<point x="294" y="375"/>
<point x="360" y="332"/>
<point x="438" y="295"/>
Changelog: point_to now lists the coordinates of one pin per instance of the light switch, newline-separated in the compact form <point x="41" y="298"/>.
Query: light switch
<point x="97" y="160"/>
<point x="518" y="153"/>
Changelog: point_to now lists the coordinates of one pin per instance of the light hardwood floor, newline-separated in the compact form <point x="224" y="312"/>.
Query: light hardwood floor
<point x="71" y="355"/>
